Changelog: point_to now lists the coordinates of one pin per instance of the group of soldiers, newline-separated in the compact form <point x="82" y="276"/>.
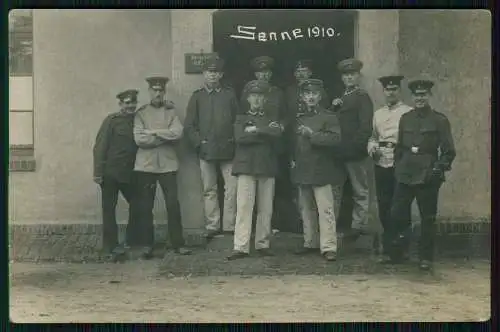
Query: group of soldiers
<point x="267" y="136"/>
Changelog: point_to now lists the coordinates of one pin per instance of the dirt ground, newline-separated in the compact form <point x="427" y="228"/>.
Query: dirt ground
<point x="153" y="291"/>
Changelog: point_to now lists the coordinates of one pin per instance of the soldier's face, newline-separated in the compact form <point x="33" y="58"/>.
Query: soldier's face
<point x="392" y="94"/>
<point x="302" y="74"/>
<point x="350" y="79"/>
<point x="256" y="100"/>
<point x="264" y="75"/>
<point x="212" y="76"/>
<point x="128" y="106"/>
<point x="157" y="95"/>
<point x="311" y="98"/>
<point x="421" y="98"/>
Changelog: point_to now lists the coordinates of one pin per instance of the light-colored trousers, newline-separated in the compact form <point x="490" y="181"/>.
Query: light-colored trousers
<point x="248" y="188"/>
<point x="211" y="199"/>
<point x="358" y="175"/>
<point x="317" y="210"/>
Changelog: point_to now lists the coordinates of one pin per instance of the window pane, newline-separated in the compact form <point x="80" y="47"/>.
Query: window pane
<point x="20" y="128"/>
<point x="20" y="42"/>
<point x="21" y="93"/>
<point x="21" y="54"/>
<point x="20" y="20"/>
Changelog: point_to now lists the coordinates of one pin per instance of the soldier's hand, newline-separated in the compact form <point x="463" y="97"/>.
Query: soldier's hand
<point x="251" y="129"/>
<point x="377" y="154"/>
<point x="292" y="164"/>
<point x="307" y="131"/>
<point x="337" y="102"/>
<point x="98" y="179"/>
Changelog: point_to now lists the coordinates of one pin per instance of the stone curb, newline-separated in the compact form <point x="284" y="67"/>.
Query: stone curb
<point x="81" y="242"/>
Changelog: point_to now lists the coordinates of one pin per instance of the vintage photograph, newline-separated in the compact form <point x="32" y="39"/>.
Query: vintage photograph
<point x="279" y="165"/>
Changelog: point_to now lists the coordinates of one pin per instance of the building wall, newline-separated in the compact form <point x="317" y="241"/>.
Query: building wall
<point x="82" y="58"/>
<point x="459" y="59"/>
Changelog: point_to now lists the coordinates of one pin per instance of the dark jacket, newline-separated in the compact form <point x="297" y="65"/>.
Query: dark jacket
<point x="209" y="122"/>
<point x="256" y="153"/>
<point x="315" y="158"/>
<point x="115" y="149"/>
<point x="429" y="133"/>
<point x="355" y="116"/>
<point x="294" y="106"/>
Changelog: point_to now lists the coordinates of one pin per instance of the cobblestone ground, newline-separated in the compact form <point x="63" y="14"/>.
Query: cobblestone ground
<point x="285" y="288"/>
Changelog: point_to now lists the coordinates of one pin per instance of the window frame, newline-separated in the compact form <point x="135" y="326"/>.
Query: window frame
<point x="22" y="156"/>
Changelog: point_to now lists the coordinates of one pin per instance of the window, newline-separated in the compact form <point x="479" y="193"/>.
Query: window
<point x="21" y="132"/>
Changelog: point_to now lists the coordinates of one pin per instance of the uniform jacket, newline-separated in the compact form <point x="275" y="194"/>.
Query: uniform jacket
<point x="294" y="106"/>
<point x="428" y="133"/>
<point x="385" y="130"/>
<point x="315" y="159"/>
<point x="209" y="122"/>
<point x="156" y="132"/>
<point x="355" y="116"/>
<point x="115" y="148"/>
<point x="256" y="153"/>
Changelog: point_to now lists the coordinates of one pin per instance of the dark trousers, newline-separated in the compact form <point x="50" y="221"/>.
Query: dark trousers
<point x="344" y="220"/>
<point x="146" y="191"/>
<point x="286" y="215"/>
<point x="385" y="184"/>
<point x="110" y="189"/>
<point x="427" y="199"/>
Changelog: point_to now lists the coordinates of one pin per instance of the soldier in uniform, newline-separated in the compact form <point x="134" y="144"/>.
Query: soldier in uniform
<point x="157" y="129"/>
<point x="381" y="147"/>
<point x="315" y="169"/>
<point x="114" y="157"/>
<point x="355" y="112"/>
<point x="275" y="103"/>
<point x="286" y="194"/>
<point x="256" y="166"/>
<point x="425" y="151"/>
<point x="209" y="124"/>
<point x="276" y="107"/>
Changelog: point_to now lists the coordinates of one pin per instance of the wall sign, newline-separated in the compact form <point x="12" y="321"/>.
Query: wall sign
<point x="194" y="62"/>
<point x="311" y="32"/>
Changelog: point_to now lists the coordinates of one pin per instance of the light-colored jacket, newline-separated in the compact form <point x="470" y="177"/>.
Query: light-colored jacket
<point x="156" y="132"/>
<point x="385" y="130"/>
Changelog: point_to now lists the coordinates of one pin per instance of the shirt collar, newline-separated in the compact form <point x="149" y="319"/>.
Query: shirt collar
<point x="393" y="107"/>
<point x="210" y="90"/>
<point x="351" y="90"/>
<point x="422" y="112"/>
<point x="256" y="112"/>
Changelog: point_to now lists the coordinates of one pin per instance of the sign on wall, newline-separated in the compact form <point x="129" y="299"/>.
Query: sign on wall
<point x="249" y="32"/>
<point x="194" y="62"/>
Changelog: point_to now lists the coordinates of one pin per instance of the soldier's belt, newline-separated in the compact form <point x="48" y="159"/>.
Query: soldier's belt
<point x="387" y="145"/>
<point x="419" y="150"/>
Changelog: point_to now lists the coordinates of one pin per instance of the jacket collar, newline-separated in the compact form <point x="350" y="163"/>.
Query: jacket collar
<point x="210" y="90"/>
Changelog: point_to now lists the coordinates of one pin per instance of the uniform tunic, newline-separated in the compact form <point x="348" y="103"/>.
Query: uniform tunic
<point x="428" y="133"/>
<point x="115" y="148"/>
<point x="209" y="122"/>
<point x="385" y="130"/>
<point x="157" y="152"/>
<point x="256" y="152"/>
<point x="355" y="116"/>
<point x="313" y="156"/>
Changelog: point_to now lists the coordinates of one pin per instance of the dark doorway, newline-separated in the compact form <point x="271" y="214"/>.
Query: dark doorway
<point x="324" y="51"/>
<point x="323" y="36"/>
